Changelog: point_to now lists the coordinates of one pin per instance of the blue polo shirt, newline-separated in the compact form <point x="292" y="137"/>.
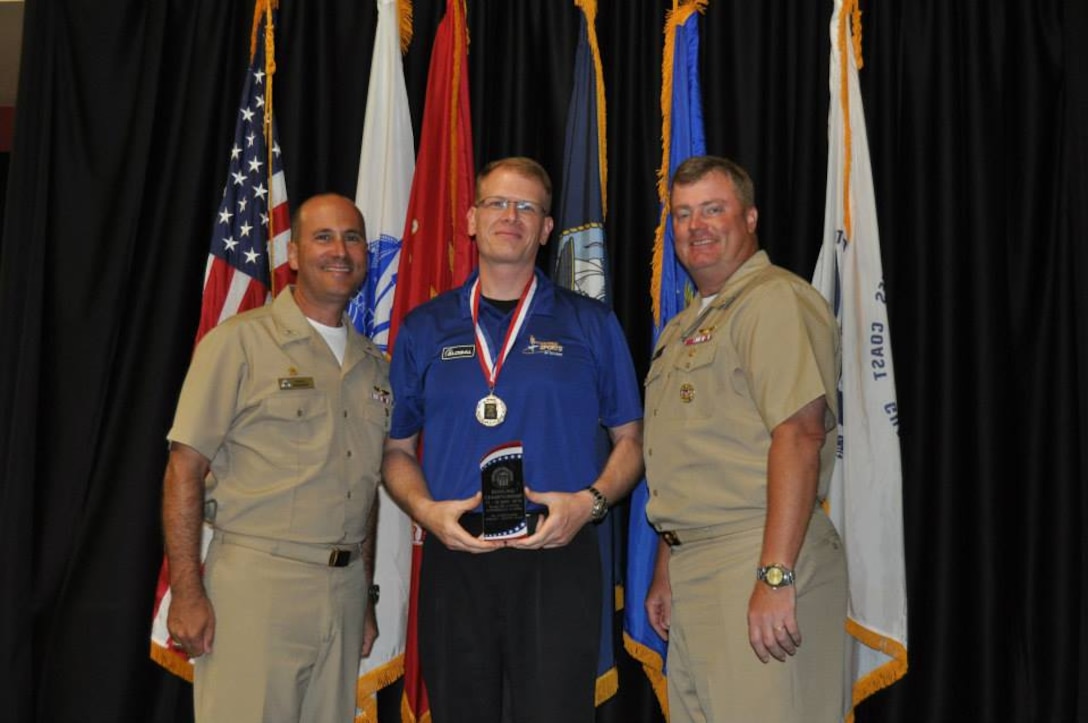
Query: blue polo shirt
<point x="568" y="373"/>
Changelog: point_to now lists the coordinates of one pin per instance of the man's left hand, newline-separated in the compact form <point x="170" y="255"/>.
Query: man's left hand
<point x="772" y="622"/>
<point x="568" y="512"/>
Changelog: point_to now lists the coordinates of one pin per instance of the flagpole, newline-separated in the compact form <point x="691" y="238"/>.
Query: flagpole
<point x="270" y="70"/>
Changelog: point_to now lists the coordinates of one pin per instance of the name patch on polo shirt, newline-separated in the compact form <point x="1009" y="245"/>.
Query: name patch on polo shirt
<point x="461" y="351"/>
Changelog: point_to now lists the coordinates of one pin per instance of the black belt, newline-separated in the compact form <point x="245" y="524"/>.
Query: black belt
<point x="674" y="538"/>
<point x="326" y="555"/>
<point x="473" y="522"/>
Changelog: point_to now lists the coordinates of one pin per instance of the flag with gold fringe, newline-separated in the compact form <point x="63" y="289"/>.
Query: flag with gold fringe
<point x="582" y="265"/>
<point x="386" y="164"/>
<point x="671" y="289"/>
<point x="247" y="259"/>
<point x="865" y="498"/>
<point x="438" y="253"/>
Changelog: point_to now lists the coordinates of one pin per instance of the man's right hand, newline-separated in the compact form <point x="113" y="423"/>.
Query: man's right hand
<point x="659" y="596"/>
<point x="191" y="623"/>
<point x="443" y="520"/>
<point x="659" y="607"/>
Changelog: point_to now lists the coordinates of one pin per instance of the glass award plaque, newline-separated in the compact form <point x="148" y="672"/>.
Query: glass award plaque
<point x="503" y="486"/>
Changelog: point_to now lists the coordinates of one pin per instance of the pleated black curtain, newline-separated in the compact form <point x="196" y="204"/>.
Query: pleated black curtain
<point x="978" y="125"/>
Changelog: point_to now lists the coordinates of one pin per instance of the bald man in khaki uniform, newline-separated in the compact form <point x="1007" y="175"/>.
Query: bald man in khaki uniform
<point x="750" y="583"/>
<point x="277" y="441"/>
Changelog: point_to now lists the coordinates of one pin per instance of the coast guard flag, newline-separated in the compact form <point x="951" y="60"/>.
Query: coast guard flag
<point x="237" y="277"/>
<point x="671" y="288"/>
<point x="438" y="253"/>
<point x="582" y="265"/>
<point x="386" y="164"/>
<point x="865" y="499"/>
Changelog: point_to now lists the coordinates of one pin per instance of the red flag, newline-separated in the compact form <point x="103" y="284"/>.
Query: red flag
<point x="437" y="254"/>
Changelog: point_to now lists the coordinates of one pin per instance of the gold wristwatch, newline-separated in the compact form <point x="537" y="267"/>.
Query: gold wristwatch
<point x="775" y="575"/>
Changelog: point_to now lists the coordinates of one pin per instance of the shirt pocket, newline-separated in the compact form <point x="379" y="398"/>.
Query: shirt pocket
<point x="298" y="428"/>
<point x="693" y="384"/>
<point x="368" y="426"/>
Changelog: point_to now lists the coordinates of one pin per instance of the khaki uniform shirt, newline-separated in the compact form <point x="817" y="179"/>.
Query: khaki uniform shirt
<point x="294" y="439"/>
<point x="720" y="381"/>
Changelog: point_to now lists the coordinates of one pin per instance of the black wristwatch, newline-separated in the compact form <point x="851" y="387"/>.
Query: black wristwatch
<point x="600" y="504"/>
<point x="374" y="592"/>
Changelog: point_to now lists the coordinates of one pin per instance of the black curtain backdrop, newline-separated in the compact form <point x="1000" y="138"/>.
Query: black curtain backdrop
<point x="978" y="125"/>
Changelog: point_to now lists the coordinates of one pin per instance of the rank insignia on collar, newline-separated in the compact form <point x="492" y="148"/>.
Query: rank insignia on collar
<point x="687" y="393"/>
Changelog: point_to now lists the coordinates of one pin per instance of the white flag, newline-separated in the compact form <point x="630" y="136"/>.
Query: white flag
<point x="865" y="500"/>
<point x="386" y="165"/>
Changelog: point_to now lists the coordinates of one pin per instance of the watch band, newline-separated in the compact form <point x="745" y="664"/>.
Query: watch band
<point x="600" y="504"/>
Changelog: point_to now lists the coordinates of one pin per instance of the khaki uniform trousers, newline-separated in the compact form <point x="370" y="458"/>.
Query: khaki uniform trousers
<point x="713" y="674"/>
<point x="287" y="639"/>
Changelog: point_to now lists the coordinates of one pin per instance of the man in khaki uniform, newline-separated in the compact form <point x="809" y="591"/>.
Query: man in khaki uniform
<point x="750" y="583"/>
<point x="277" y="441"/>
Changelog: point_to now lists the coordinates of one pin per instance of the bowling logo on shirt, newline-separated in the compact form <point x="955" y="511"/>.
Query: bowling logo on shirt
<point x="547" y="348"/>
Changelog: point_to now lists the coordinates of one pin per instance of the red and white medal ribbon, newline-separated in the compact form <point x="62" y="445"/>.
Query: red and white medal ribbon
<point x="490" y="411"/>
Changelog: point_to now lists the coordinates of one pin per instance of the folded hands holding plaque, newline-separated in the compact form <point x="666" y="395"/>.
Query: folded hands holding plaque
<point x="503" y="485"/>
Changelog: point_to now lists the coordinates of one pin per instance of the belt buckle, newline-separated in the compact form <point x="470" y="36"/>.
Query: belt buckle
<point x="339" y="558"/>
<point x="670" y="538"/>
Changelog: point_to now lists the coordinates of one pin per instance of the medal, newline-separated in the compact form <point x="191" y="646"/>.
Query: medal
<point x="491" y="411"/>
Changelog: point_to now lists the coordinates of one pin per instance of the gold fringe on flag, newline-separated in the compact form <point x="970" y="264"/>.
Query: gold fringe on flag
<point x="675" y="18"/>
<point x="883" y="676"/>
<point x="176" y="664"/>
<point x="367" y="687"/>
<point x="407" y="716"/>
<point x="851" y="13"/>
<point x="651" y="666"/>
<point x="589" y="7"/>
<point x="460" y="31"/>
<point x="844" y="101"/>
<point x="404" y="21"/>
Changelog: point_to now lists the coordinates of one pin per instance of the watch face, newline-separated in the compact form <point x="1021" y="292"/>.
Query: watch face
<point x="774" y="576"/>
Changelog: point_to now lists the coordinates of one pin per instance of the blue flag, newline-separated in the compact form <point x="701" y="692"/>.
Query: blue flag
<point x="582" y="265"/>
<point x="671" y="286"/>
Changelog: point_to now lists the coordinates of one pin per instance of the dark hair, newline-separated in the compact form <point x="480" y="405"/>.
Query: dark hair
<point x="698" y="167"/>
<point x="523" y="166"/>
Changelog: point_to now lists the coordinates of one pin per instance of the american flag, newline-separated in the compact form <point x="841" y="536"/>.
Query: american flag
<point x="238" y="272"/>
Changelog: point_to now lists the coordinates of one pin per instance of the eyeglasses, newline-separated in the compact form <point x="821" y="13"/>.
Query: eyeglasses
<point x="498" y="204"/>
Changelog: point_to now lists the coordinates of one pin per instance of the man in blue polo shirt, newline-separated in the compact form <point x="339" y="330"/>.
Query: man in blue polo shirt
<point x="511" y="358"/>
